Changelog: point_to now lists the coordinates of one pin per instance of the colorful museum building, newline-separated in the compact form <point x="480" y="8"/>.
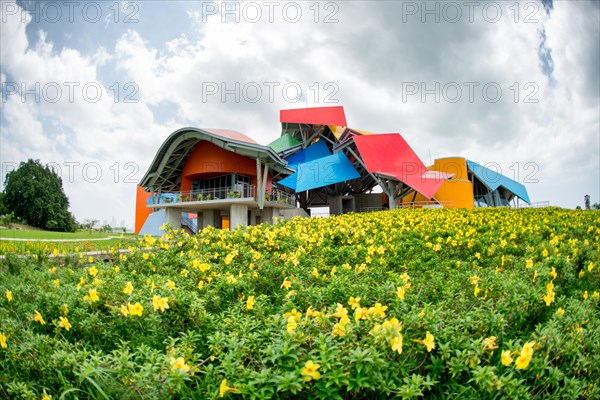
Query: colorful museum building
<point x="223" y="178"/>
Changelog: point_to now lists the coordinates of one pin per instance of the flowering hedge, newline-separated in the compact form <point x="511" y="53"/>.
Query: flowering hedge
<point x="438" y="303"/>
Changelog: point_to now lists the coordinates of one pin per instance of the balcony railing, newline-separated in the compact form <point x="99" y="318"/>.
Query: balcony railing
<point x="239" y="191"/>
<point x="427" y="204"/>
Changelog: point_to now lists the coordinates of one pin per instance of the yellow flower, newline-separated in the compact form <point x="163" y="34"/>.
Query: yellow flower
<point x="294" y="313"/>
<point x="224" y="389"/>
<point x="340" y="312"/>
<point x="429" y="341"/>
<point x="9" y="295"/>
<point x="124" y="310"/>
<point x="179" y="364"/>
<point x="354" y="302"/>
<point x="400" y="292"/>
<point x="360" y="313"/>
<point x="64" y="323"/>
<point x="525" y="356"/>
<point x="312" y="313"/>
<point x="581" y="273"/>
<point x="475" y="279"/>
<point x="549" y="298"/>
<point x="397" y="343"/>
<point x="340" y="329"/>
<point x="170" y="284"/>
<point x="585" y="295"/>
<point x="591" y="267"/>
<point x="160" y="303"/>
<point x="506" y="358"/>
<point x="56" y="282"/>
<point x="315" y="273"/>
<point x="378" y="309"/>
<point x="553" y="273"/>
<point x="292" y="324"/>
<point x="38" y="317"/>
<point x="286" y="284"/>
<point x="490" y="343"/>
<point x="92" y="296"/>
<point x="560" y="312"/>
<point x="93" y="271"/>
<point x="476" y="290"/>
<point x="2" y="340"/>
<point x="310" y="371"/>
<point x="46" y="396"/>
<point x="135" y="309"/>
<point x="250" y="303"/>
<point x="128" y="288"/>
<point x="545" y="253"/>
<point x="529" y="263"/>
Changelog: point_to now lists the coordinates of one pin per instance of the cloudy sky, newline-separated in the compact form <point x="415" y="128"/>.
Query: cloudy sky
<point x="94" y="87"/>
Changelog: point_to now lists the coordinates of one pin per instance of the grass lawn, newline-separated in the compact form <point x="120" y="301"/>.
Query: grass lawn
<point x="48" y="247"/>
<point x="47" y="242"/>
<point x="38" y="234"/>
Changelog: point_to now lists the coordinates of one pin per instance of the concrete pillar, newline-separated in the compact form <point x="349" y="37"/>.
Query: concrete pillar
<point x="208" y="218"/>
<point x="173" y="217"/>
<point x="335" y="205"/>
<point x="238" y="215"/>
<point x="267" y="215"/>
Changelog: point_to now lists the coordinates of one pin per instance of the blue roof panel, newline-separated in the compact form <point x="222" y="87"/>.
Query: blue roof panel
<point x="312" y="152"/>
<point x="493" y="180"/>
<point x="321" y="172"/>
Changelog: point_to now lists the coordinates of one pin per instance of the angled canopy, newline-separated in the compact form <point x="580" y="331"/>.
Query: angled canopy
<point x="166" y="168"/>
<point x="321" y="172"/>
<point x="493" y="180"/>
<point x="389" y="155"/>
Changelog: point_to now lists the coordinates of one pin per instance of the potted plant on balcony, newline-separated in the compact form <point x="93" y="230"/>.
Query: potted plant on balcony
<point x="199" y="197"/>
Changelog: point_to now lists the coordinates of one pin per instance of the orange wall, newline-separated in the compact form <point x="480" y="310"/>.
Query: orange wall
<point x="456" y="192"/>
<point x="141" y="211"/>
<point x="208" y="159"/>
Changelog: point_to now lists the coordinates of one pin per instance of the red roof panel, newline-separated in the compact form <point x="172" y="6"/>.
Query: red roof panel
<point x="315" y="115"/>
<point x="390" y="155"/>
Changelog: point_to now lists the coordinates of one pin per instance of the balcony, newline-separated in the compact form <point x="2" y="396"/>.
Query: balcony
<point x="216" y="197"/>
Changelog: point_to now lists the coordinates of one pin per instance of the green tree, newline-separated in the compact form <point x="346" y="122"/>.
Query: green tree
<point x="35" y="194"/>
<point x="3" y="209"/>
<point x="586" y="201"/>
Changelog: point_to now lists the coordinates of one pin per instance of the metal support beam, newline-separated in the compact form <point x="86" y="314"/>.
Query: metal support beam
<point x="261" y="183"/>
<point x="260" y="198"/>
